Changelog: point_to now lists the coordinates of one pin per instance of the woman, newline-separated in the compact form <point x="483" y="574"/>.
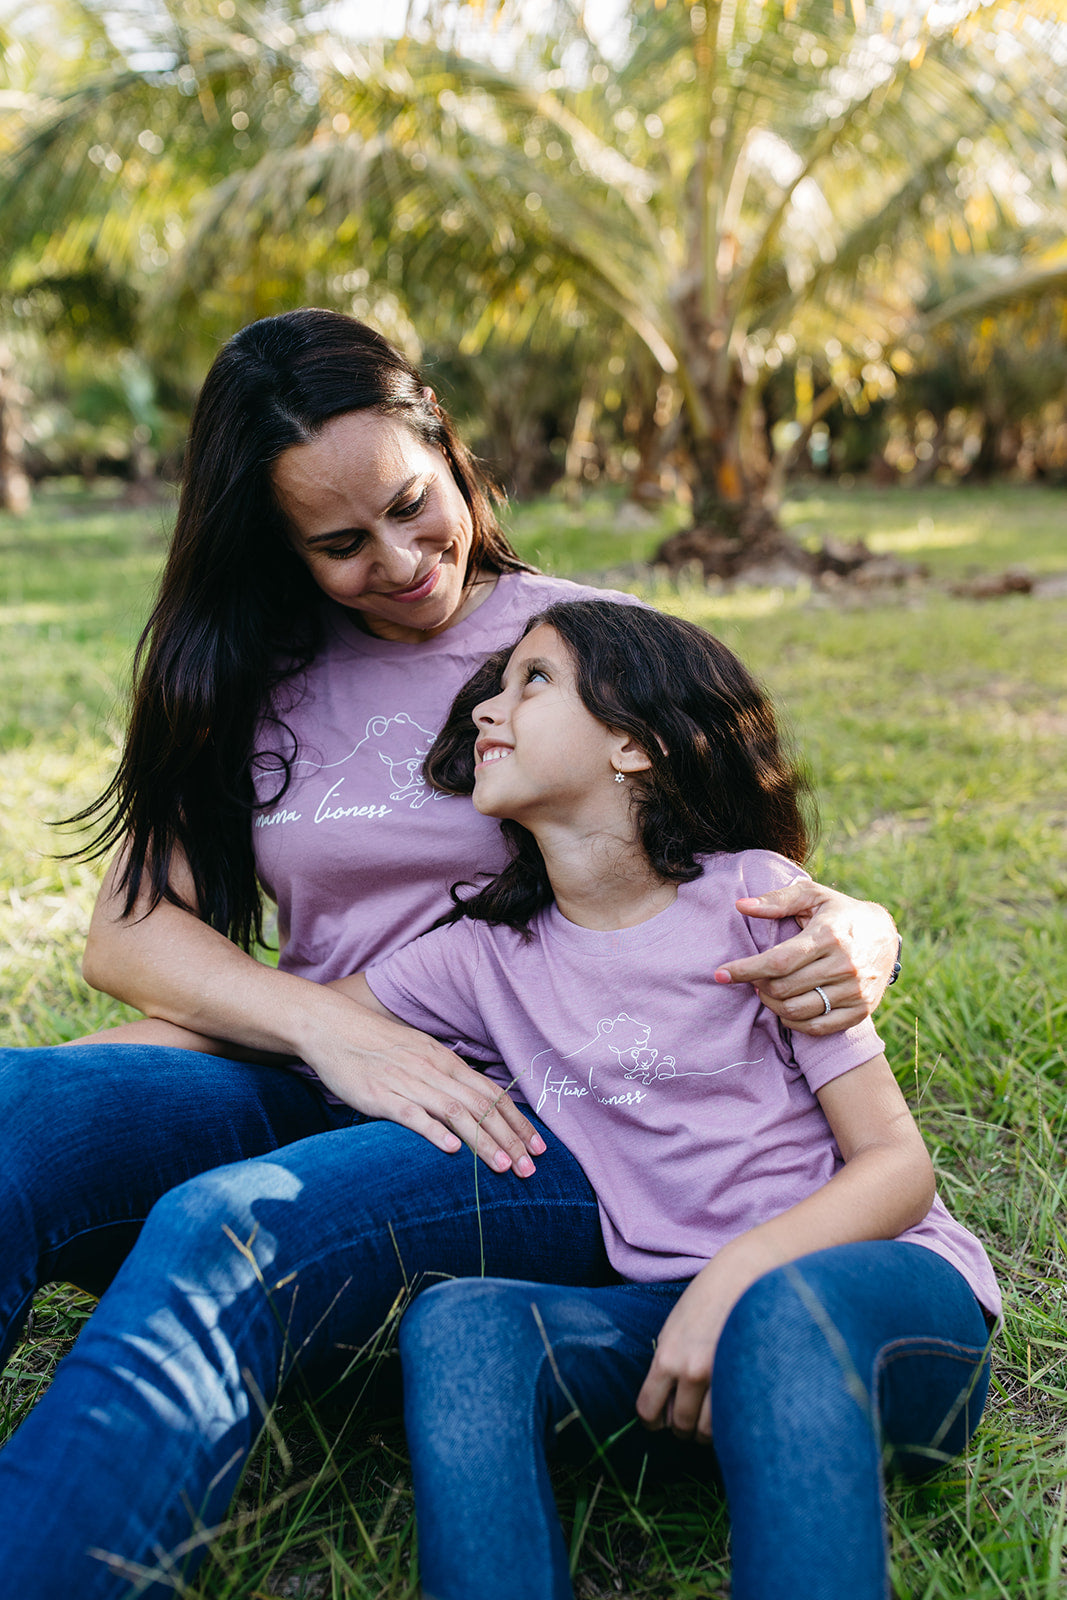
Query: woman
<point x="336" y="574"/>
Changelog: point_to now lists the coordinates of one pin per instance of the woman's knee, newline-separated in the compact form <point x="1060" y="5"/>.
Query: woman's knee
<point x="223" y="1226"/>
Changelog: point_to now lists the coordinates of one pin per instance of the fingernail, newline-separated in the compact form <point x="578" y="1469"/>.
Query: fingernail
<point x="525" y="1167"/>
<point x="722" y="976"/>
<point x="538" y="1145"/>
<point x="502" y="1161"/>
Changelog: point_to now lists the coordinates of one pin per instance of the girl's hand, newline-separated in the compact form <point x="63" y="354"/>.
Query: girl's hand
<point x="677" y="1391"/>
<point x="885" y="1186"/>
<point x="846" y="946"/>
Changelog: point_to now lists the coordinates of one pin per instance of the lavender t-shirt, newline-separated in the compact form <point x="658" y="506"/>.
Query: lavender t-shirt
<point x="360" y="852"/>
<point x="691" y="1109"/>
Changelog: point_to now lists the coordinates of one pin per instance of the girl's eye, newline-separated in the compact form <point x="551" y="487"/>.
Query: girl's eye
<point x="536" y="674"/>
<point x="411" y="508"/>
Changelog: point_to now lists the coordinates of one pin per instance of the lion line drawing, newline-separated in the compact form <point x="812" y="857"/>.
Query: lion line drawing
<point x="620" y="1073"/>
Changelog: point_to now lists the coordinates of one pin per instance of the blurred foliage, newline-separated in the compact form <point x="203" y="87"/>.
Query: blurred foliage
<point x="713" y="240"/>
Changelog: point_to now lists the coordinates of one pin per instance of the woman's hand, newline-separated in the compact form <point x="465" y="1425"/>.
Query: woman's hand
<point x="846" y="946"/>
<point x="178" y="971"/>
<point x="380" y="1066"/>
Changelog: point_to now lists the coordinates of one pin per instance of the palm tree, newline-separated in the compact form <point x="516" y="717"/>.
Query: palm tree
<point x="744" y="188"/>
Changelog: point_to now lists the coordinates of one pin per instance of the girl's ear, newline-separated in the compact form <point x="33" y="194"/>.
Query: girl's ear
<point x="628" y="756"/>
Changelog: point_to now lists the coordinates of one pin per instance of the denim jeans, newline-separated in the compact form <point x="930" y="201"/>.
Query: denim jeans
<point x="827" y="1370"/>
<point x="243" y="1277"/>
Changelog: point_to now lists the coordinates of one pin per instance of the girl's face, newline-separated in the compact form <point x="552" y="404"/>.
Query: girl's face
<point x="380" y="523"/>
<point x="540" y="754"/>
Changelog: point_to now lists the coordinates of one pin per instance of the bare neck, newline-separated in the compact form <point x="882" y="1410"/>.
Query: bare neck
<point x="602" y="880"/>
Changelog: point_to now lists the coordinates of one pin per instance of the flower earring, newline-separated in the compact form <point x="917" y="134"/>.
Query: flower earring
<point x="619" y="777"/>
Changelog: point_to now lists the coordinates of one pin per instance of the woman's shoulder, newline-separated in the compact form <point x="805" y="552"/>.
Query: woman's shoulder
<point x="523" y="594"/>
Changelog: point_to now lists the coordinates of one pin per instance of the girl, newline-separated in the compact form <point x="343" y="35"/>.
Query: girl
<point x="788" y="1285"/>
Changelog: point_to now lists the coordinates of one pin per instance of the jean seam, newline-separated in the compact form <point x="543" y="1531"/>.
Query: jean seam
<point x="927" y="1344"/>
<point x="83" y="1233"/>
<point x="972" y="1356"/>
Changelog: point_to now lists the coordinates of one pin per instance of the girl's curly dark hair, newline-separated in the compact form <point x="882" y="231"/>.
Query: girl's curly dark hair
<point x="719" y="778"/>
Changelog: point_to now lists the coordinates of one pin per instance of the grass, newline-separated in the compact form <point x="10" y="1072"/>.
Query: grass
<point x="934" y="731"/>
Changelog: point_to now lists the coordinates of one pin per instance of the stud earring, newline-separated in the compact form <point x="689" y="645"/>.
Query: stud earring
<point x="619" y="778"/>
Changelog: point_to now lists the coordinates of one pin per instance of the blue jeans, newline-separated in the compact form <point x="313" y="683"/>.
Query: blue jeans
<point x="827" y="1370"/>
<point x="243" y="1277"/>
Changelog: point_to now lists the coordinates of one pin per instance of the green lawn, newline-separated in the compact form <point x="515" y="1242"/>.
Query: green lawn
<point x="934" y="730"/>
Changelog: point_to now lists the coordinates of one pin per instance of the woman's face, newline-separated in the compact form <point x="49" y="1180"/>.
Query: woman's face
<point x="379" y="521"/>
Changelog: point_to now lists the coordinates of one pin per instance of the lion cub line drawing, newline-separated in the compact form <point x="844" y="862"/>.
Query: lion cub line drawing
<point x="401" y="745"/>
<point x="612" y="1074"/>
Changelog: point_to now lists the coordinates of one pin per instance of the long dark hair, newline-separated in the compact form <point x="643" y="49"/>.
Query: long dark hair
<point x="237" y="611"/>
<point x="719" y="779"/>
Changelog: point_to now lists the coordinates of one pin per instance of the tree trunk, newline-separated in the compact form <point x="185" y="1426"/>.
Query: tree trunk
<point x="581" y="447"/>
<point x="735" y="532"/>
<point x="734" y="529"/>
<point x="14" y="483"/>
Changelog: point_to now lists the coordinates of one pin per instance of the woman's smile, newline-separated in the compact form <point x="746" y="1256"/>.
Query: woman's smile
<point x="378" y="519"/>
<point x="418" y="590"/>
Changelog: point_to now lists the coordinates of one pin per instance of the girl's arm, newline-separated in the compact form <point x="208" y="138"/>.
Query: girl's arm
<point x="847" y="947"/>
<point x="176" y="969"/>
<point x="885" y="1186"/>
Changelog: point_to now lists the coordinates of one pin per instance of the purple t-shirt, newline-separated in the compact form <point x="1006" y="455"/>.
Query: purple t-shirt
<point x="690" y="1107"/>
<point x="360" y="852"/>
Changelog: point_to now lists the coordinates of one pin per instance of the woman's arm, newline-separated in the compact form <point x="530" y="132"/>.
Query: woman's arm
<point x="885" y="1186"/>
<point x="848" y="947"/>
<point x="177" y="970"/>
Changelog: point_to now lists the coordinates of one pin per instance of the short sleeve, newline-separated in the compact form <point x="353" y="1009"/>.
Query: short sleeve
<point x="431" y="984"/>
<point x="821" y="1060"/>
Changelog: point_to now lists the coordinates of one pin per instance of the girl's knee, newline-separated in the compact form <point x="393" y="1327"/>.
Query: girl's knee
<point x="787" y="1344"/>
<point x="461" y="1315"/>
<point x="769" y="1315"/>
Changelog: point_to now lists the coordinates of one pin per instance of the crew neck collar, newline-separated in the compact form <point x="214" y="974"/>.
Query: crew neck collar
<point x="665" y="924"/>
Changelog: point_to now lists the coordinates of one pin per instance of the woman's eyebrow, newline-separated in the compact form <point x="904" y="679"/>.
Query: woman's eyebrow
<point x="390" y="505"/>
<point x="405" y="489"/>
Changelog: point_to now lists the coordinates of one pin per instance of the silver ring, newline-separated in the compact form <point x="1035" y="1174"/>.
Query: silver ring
<point x="826" y="1006"/>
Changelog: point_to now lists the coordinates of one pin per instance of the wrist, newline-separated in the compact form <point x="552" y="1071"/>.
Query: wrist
<point x="897" y="969"/>
<point x="316" y="1013"/>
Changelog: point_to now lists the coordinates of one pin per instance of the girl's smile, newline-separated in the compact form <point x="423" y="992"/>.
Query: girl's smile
<point x="540" y="753"/>
<point x="487" y="752"/>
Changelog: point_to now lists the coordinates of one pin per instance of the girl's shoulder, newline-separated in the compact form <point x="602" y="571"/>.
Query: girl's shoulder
<point x="753" y="872"/>
<point x="733" y="875"/>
